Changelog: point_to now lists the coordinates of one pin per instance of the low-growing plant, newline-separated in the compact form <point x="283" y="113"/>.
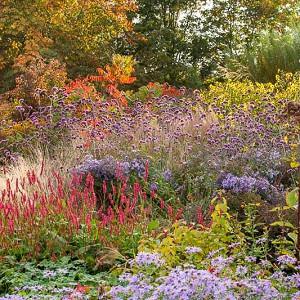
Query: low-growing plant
<point x="211" y="235"/>
<point x="210" y="263"/>
<point x="61" y="279"/>
<point x="288" y="238"/>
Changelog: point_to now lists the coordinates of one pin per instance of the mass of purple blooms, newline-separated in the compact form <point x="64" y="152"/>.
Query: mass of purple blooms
<point x="108" y="167"/>
<point x="147" y="259"/>
<point x="247" y="184"/>
<point x="224" y="279"/>
<point x="188" y="283"/>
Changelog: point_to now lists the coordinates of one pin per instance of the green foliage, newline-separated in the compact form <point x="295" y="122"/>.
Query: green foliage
<point x="255" y="231"/>
<point x="292" y="198"/>
<point x="179" y="42"/>
<point x="169" y="50"/>
<point x="287" y="241"/>
<point x="52" y="278"/>
<point x="172" y="243"/>
<point x="183" y="42"/>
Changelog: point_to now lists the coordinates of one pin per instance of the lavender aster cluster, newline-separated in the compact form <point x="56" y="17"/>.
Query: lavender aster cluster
<point x="137" y="165"/>
<point x="106" y="168"/>
<point x="147" y="259"/>
<point x="220" y="262"/>
<point x="193" y="250"/>
<point x="167" y="175"/>
<point x="49" y="274"/>
<point x="138" y="287"/>
<point x="246" y="184"/>
<point x="241" y="271"/>
<point x="12" y="297"/>
<point x="191" y="284"/>
<point x="286" y="260"/>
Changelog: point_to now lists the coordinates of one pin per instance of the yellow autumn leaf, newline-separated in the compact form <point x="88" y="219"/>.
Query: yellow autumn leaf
<point x="295" y="164"/>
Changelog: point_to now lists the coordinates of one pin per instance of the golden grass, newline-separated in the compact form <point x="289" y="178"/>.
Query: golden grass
<point x="43" y="164"/>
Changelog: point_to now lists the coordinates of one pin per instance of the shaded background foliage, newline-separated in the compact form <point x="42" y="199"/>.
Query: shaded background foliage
<point x="184" y="42"/>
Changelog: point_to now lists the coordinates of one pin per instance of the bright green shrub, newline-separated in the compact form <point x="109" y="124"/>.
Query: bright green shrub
<point x="172" y="244"/>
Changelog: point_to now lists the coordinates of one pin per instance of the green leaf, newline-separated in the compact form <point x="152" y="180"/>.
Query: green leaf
<point x="154" y="224"/>
<point x="283" y="224"/>
<point x="292" y="198"/>
<point x="275" y="209"/>
<point x="293" y="236"/>
<point x="280" y="208"/>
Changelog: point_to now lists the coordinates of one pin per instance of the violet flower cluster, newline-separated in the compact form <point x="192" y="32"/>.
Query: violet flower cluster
<point x="286" y="260"/>
<point x="193" y="250"/>
<point x="108" y="167"/>
<point x="147" y="259"/>
<point x="192" y="284"/>
<point x="247" y="184"/>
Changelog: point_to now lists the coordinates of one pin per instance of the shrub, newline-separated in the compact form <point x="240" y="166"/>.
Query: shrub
<point x="39" y="74"/>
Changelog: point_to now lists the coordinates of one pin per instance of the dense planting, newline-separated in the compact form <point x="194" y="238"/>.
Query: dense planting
<point x="137" y="182"/>
<point x="118" y="184"/>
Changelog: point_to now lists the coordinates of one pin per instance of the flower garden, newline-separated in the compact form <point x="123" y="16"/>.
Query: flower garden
<point x="115" y="191"/>
<point x="185" y="196"/>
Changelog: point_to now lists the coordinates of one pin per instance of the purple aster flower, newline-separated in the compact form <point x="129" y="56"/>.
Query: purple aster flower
<point x="12" y="297"/>
<point x="154" y="187"/>
<point x="286" y="260"/>
<point x="167" y="175"/>
<point x="241" y="270"/>
<point x="49" y="274"/>
<point x="20" y="108"/>
<point x="250" y="259"/>
<point x="147" y="259"/>
<point x="193" y="250"/>
<point x="220" y="262"/>
<point x="261" y="241"/>
<point x="296" y="296"/>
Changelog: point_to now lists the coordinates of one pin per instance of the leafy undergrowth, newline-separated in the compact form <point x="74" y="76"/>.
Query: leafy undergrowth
<point x="61" y="279"/>
<point x="224" y="259"/>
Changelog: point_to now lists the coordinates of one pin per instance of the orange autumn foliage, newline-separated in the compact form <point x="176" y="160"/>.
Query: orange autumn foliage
<point x="112" y="76"/>
<point x="166" y="89"/>
<point x="81" y="87"/>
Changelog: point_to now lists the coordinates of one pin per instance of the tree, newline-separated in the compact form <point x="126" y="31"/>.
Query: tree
<point x="234" y="25"/>
<point x="80" y="33"/>
<point x="185" y="41"/>
<point x="165" y="53"/>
